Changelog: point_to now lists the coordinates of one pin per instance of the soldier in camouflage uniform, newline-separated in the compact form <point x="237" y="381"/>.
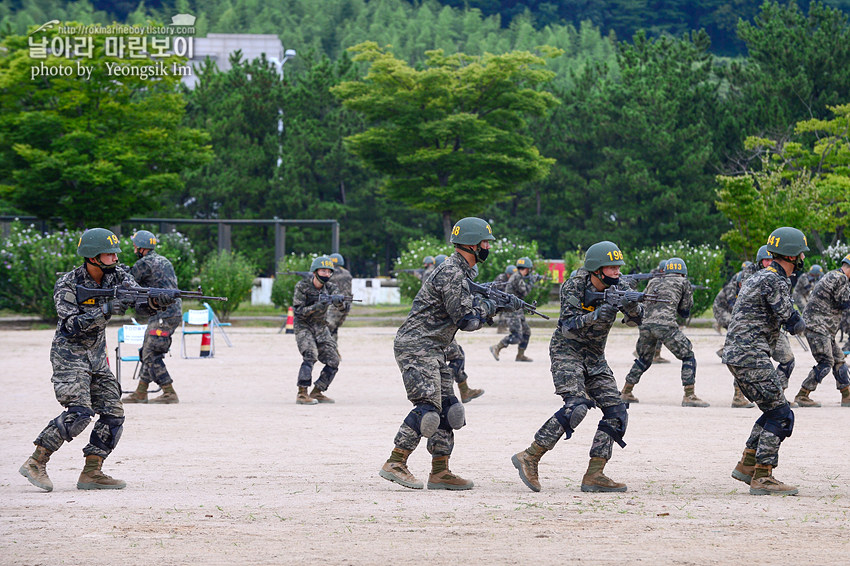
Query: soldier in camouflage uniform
<point x="427" y="267"/>
<point x="829" y="299"/>
<point x="500" y="282"/>
<point x="805" y="285"/>
<point x="82" y="381"/>
<point x="342" y="279"/>
<point x="520" y="333"/>
<point x="581" y="373"/>
<point x="311" y="300"/>
<point x="443" y="306"/>
<point x="764" y="304"/>
<point x="154" y="270"/>
<point x="724" y="302"/>
<point x="660" y="326"/>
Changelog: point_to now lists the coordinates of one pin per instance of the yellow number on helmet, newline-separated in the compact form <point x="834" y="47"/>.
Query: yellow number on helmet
<point x="456" y="230"/>
<point x="489" y="229"/>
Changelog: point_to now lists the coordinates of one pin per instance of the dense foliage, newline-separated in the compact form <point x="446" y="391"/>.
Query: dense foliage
<point x="230" y="275"/>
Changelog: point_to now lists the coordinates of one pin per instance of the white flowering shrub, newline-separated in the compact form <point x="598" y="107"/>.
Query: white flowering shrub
<point x="503" y="252"/>
<point x="705" y="267"/>
<point x="832" y="256"/>
<point x="30" y="261"/>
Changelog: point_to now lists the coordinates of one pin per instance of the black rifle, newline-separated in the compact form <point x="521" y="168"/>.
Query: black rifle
<point x="130" y="295"/>
<point x="617" y="297"/>
<point x="645" y="276"/>
<point x="501" y="298"/>
<point x="301" y="273"/>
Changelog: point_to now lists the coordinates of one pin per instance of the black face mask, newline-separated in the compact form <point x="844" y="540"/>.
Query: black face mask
<point x="480" y="255"/>
<point x="323" y="278"/>
<point x="140" y="255"/>
<point x="610" y="281"/>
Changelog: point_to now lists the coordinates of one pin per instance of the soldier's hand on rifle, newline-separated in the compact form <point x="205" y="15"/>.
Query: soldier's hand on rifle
<point x="325" y="299"/>
<point x="515" y="303"/>
<point x="489" y="306"/>
<point x="606" y="313"/>
<point x="337" y="299"/>
<point x="795" y="324"/>
<point x="161" y="300"/>
<point x="114" y="306"/>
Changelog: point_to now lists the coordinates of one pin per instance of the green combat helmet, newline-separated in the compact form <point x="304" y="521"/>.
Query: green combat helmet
<point x="511" y="269"/>
<point x="470" y="231"/>
<point x="144" y="239"/>
<point x="322" y="262"/>
<point x="762" y="254"/>
<point x="816" y="270"/>
<point x="601" y="254"/>
<point x="787" y="242"/>
<point x="524" y="262"/>
<point x="337" y="259"/>
<point x="440" y="259"/>
<point x="676" y="265"/>
<point x="96" y="241"/>
<point x="428" y="260"/>
<point x="661" y="265"/>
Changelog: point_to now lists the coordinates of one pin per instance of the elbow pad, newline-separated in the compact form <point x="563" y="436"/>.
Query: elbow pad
<point x="683" y="313"/>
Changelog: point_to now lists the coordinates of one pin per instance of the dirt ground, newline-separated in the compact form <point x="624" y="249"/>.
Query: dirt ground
<point x="237" y="473"/>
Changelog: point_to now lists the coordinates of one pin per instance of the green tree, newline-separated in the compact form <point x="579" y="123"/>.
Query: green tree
<point x="90" y="150"/>
<point x="449" y="137"/>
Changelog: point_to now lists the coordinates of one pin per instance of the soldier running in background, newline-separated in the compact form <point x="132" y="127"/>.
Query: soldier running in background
<point x="82" y="380"/>
<point x="311" y="301"/>
<point x="763" y="305"/>
<point x="342" y="279"/>
<point x="828" y="301"/>
<point x="519" y="286"/>
<point x="580" y="372"/>
<point x="443" y="306"/>
<point x="660" y="326"/>
<point x="501" y="281"/>
<point x="154" y="270"/>
<point x="805" y="285"/>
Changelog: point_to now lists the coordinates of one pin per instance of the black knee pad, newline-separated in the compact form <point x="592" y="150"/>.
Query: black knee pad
<point x="453" y="415"/>
<point x="116" y="427"/>
<point x="788" y="367"/>
<point x="572" y="413"/>
<point x="842" y="375"/>
<point x="73" y="421"/>
<point x="779" y="421"/>
<point x="821" y="370"/>
<point x="427" y="412"/>
<point x="618" y="413"/>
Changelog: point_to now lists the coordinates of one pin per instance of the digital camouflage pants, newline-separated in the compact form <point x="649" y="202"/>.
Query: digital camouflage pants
<point x="158" y="336"/>
<point x="653" y="335"/>
<point x="762" y="386"/>
<point x="829" y="357"/>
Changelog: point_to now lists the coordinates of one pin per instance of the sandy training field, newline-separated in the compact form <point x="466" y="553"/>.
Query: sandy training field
<point x="237" y="473"/>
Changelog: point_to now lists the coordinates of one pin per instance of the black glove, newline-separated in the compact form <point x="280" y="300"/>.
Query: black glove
<point x="683" y="313"/>
<point x="325" y="299"/>
<point x="795" y="324"/>
<point x="489" y="306"/>
<point x="515" y="304"/>
<point x="162" y="300"/>
<point x="337" y="299"/>
<point x="606" y="313"/>
<point x="112" y="307"/>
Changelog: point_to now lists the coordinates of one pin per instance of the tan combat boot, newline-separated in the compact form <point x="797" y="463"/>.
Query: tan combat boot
<point x="467" y="394"/>
<point x="739" y="401"/>
<point x="802" y="399"/>
<point x="140" y="395"/>
<point x="496" y="349"/>
<point x="626" y="394"/>
<point x="526" y="464"/>
<point x="691" y="400"/>
<point x="442" y="478"/>
<point x="845" y="396"/>
<point x="744" y="468"/>
<point x="303" y="398"/>
<point x="35" y="469"/>
<point x="320" y="396"/>
<point x="169" y="396"/>
<point x="93" y="478"/>
<point x="395" y="470"/>
<point x="521" y="357"/>
<point x="595" y="481"/>
<point x="765" y="484"/>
